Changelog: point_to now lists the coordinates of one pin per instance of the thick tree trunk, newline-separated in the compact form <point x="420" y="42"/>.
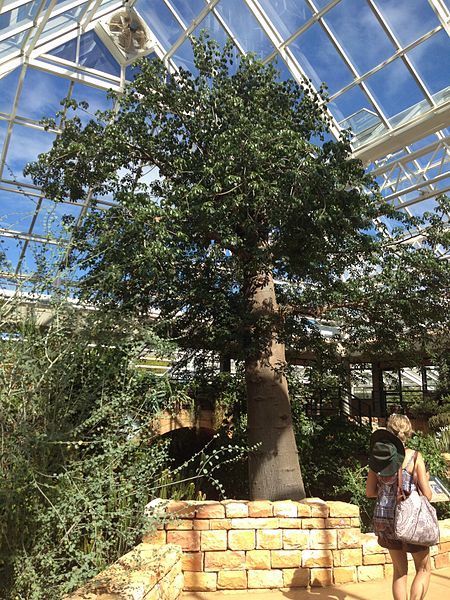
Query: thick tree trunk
<point x="274" y="469"/>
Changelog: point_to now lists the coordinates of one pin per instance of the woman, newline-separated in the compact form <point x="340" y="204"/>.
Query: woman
<point x="387" y="455"/>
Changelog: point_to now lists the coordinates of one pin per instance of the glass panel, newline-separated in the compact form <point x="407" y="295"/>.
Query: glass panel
<point x="42" y="257"/>
<point x="11" y="44"/>
<point x="321" y="3"/>
<point x="350" y="103"/>
<point x="320" y="59"/>
<point x="3" y="126"/>
<point x="97" y="100"/>
<point x="245" y="27"/>
<point x="286" y="15"/>
<point x="26" y="143"/>
<point x="161" y="21"/>
<point x="16" y="211"/>
<point x="49" y="219"/>
<point x="61" y="21"/>
<point x="184" y="57"/>
<point x="423" y="142"/>
<point x="67" y="51"/>
<point x="8" y="86"/>
<point x="281" y="66"/>
<point x="12" y="249"/>
<point x="217" y="32"/>
<point x="188" y="9"/>
<point x="214" y="28"/>
<point x="408" y="20"/>
<point x="41" y="94"/>
<point x="94" y="54"/>
<point x="435" y="73"/>
<point x="360" y="34"/>
<point x="19" y="16"/>
<point x="394" y="88"/>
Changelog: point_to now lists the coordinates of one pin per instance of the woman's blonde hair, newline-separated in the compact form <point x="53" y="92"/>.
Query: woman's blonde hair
<point x="400" y="426"/>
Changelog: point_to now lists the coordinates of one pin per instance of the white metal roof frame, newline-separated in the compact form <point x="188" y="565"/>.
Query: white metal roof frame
<point x="410" y="174"/>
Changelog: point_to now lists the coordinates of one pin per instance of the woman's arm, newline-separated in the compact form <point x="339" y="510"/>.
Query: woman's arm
<point x="422" y="477"/>
<point x="371" y="485"/>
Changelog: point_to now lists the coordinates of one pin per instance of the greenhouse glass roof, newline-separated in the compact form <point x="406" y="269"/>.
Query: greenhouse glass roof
<point x="386" y="64"/>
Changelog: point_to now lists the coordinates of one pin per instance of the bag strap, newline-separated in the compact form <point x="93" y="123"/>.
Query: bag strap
<point x="414" y="475"/>
<point x="400" y="491"/>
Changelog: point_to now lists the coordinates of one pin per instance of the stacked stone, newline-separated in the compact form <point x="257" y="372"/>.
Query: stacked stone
<point x="237" y="545"/>
<point x="148" y="571"/>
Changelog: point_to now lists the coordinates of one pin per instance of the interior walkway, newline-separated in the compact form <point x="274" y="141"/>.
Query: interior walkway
<point x="373" y="590"/>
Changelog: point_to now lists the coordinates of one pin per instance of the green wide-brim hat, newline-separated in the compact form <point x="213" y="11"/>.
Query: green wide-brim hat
<point x="387" y="453"/>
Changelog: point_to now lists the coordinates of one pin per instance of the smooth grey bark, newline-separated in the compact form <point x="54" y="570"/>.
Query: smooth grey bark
<point x="274" y="469"/>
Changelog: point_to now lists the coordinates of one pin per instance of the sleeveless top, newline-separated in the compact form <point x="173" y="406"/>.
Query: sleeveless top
<point x="383" y="516"/>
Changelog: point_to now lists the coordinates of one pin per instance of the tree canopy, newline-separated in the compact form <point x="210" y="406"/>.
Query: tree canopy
<point x="239" y="220"/>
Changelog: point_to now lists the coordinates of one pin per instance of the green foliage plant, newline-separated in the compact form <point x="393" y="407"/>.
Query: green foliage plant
<point x="440" y="424"/>
<point x="243" y="197"/>
<point x="79" y="460"/>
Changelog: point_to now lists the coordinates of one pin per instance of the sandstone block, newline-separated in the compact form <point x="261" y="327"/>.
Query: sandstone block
<point x="322" y="538"/>
<point x="157" y="537"/>
<point x="260" y="508"/>
<point x="285" y="508"/>
<point x="180" y="524"/>
<point x="349" y="538"/>
<point x="170" y="576"/>
<point x="213" y="540"/>
<point x="182" y="509"/>
<point x="188" y="540"/>
<point x="192" y="561"/>
<point x="210" y="510"/>
<point x="318" y="507"/>
<point x="241" y="540"/>
<point x="200" y="582"/>
<point x="444" y="547"/>
<point x="321" y="577"/>
<point x="370" y="544"/>
<point x="296" y="577"/>
<point x="295" y="539"/>
<point x="442" y="561"/>
<point x="232" y="580"/>
<point x="355" y="522"/>
<point x="348" y="557"/>
<point x="219" y="523"/>
<point x="342" y="509"/>
<point x="303" y="510"/>
<point x="289" y="523"/>
<point x="344" y="575"/>
<point x="313" y="523"/>
<point x="338" y="522"/>
<point x="370" y="573"/>
<point x="269" y="539"/>
<point x="374" y="559"/>
<point x="200" y="524"/>
<point x="265" y="579"/>
<point x="228" y="560"/>
<point x="388" y="571"/>
<point x="317" y="558"/>
<point x="235" y="509"/>
<point x="258" y="559"/>
<point x="255" y="523"/>
<point x="285" y="559"/>
<point x="175" y="590"/>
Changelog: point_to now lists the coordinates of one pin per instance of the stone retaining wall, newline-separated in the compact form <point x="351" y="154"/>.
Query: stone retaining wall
<point x="148" y="571"/>
<point x="238" y="545"/>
